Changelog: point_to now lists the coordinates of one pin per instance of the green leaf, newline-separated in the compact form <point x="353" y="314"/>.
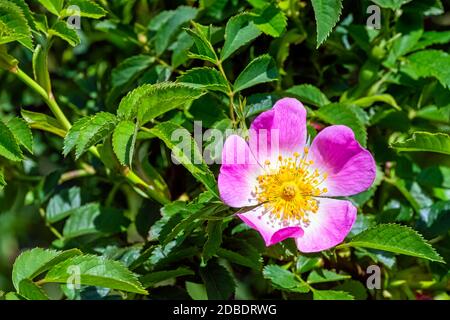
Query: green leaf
<point x="72" y="137"/>
<point x="129" y="68"/>
<point x="214" y="231"/>
<point x="158" y="276"/>
<point x="271" y="20"/>
<point x="2" y="179"/>
<point x="260" y="70"/>
<point x="331" y="295"/>
<point x="391" y="4"/>
<point x="171" y="27"/>
<point x="14" y="25"/>
<point x="152" y="100"/>
<point x="21" y="132"/>
<point x="219" y="283"/>
<point x="61" y="205"/>
<point x="395" y="238"/>
<point x="93" y="219"/>
<point x="201" y="36"/>
<point x="87" y="8"/>
<point x="339" y="113"/>
<point x="284" y="279"/>
<point x="323" y="275"/>
<point x="327" y="13"/>
<point x="37" y="120"/>
<point x="368" y="101"/>
<point x="31" y="291"/>
<point x="9" y="148"/>
<point x="431" y="38"/>
<point x="185" y="152"/>
<point x="424" y="141"/>
<point x="61" y="30"/>
<point x="89" y="132"/>
<point x="123" y="141"/>
<point x="238" y="258"/>
<point x="239" y="31"/>
<point x="429" y="63"/>
<point x="196" y="291"/>
<point x="204" y="78"/>
<point x="33" y="262"/>
<point x="96" y="271"/>
<point x="54" y="6"/>
<point x="309" y="94"/>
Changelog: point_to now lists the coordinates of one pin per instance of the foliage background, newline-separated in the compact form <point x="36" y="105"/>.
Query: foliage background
<point x="181" y="241"/>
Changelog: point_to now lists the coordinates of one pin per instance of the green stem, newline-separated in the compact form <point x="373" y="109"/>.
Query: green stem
<point x="60" y="116"/>
<point x="230" y="90"/>
<point x="49" y="99"/>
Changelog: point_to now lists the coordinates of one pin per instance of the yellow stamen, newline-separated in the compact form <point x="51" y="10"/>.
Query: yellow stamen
<point x="289" y="190"/>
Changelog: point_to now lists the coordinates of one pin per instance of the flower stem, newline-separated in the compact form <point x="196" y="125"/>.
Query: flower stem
<point x="230" y="90"/>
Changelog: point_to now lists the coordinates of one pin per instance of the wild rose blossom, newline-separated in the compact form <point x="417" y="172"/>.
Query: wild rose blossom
<point x="291" y="183"/>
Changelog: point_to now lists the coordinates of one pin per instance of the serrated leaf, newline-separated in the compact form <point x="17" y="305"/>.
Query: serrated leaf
<point x="185" y="152"/>
<point x="327" y="13"/>
<point x="205" y="78"/>
<point x="73" y="135"/>
<point x="395" y="238"/>
<point x="429" y="38"/>
<point x="61" y="205"/>
<point x="309" y="94"/>
<point x="93" y="219"/>
<point x="205" y="51"/>
<point x="152" y="100"/>
<point x="31" y="291"/>
<point x="96" y="271"/>
<point x="323" y="275"/>
<point x="41" y="121"/>
<point x="61" y="30"/>
<point x="154" y="277"/>
<point x="9" y="148"/>
<point x="123" y="141"/>
<point x="26" y="12"/>
<point x="33" y="262"/>
<point x="54" y="6"/>
<point x="214" y="240"/>
<point x="87" y="8"/>
<point x="93" y="131"/>
<point x="14" y="25"/>
<point x="271" y="20"/>
<point x="331" y="295"/>
<point x="338" y="113"/>
<point x="284" y="279"/>
<point x="259" y="70"/>
<point x="219" y="283"/>
<point x="129" y="68"/>
<point x="429" y="63"/>
<point x="239" y="31"/>
<point x="167" y="30"/>
<point x="425" y="141"/>
<point x="21" y="132"/>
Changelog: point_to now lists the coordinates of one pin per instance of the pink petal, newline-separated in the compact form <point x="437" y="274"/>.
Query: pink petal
<point x="271" y="231"/>
<point x="238" y="174"/>
<point x="328" y="226"/>
<point x="281" y="130"/>
<point x="351" y="169"/>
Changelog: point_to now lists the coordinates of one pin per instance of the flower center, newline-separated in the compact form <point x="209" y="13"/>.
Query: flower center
<point x="288" y="189"/>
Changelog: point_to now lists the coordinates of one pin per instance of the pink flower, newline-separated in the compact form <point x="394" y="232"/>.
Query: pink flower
<point x="290" y="182"/>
